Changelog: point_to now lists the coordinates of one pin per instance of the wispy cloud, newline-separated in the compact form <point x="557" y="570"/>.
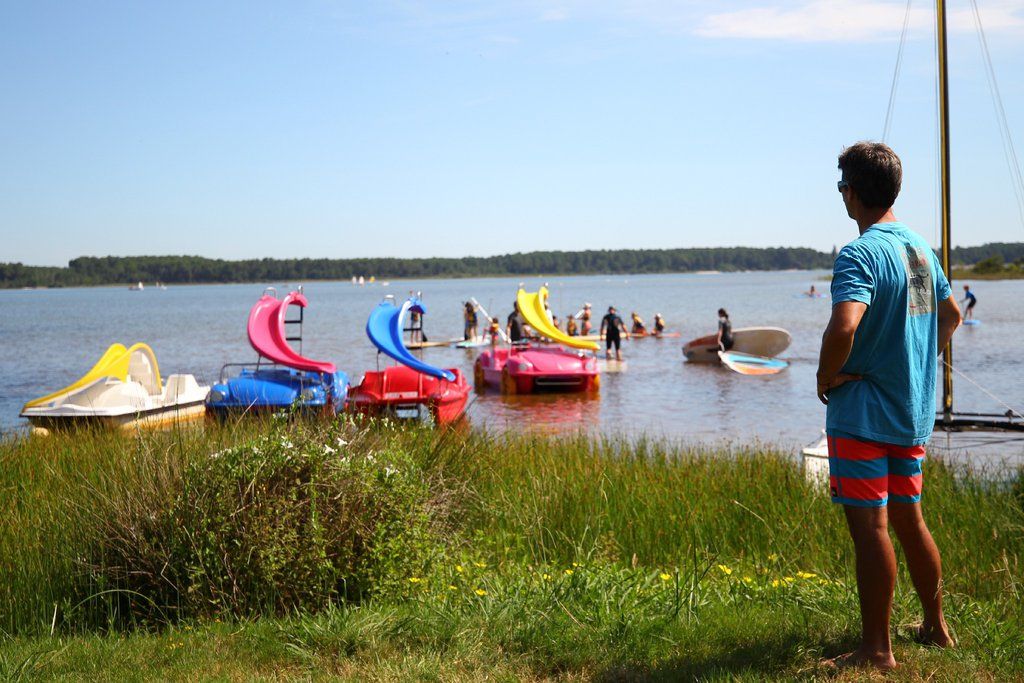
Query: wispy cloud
<point x="848" y="21"/>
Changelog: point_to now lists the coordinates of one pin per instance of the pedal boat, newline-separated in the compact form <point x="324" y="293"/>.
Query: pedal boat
<point x="280" y="379"/>
<point x="537" y="367"/>
<point x="412" y="389"/>
<point x="122" y="390"/>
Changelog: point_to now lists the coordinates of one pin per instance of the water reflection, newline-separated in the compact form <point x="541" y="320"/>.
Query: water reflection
<point x="541" y="413"/>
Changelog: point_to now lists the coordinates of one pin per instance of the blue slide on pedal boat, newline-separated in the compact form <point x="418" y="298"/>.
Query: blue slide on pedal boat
<point x="281" y="378"/>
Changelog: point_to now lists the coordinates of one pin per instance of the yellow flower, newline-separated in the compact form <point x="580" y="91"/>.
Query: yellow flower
<point x="725" y="570"/>
<point x="773" y="557"/>
<point x="452" y="587"/>
<point x="414" y="579"/>
<point x="480" y="591"/>
<point x="547" y="577"/>
<point x="481" y="565"/>
<point x="664" y="577"/>
<point x="575" y="564"/>
<point x="788" y="579"/>
<point x="775" y="583"/>
<point x="806" y="575"/>
<point x="568" y="572"/>
<point x="458" y="568"/>
<point x="747" y="579"/>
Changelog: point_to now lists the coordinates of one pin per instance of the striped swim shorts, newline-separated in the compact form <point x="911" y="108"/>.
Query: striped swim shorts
<point x="869" y="473"/>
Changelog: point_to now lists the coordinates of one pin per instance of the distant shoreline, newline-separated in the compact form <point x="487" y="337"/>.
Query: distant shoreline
<point x="391" y="281"/>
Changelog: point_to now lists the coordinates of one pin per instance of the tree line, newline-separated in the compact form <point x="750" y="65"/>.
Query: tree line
<point x="114" y="270"/>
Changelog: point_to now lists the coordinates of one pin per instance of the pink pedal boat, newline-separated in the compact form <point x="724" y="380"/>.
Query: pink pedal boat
<point x="534" y="368"/>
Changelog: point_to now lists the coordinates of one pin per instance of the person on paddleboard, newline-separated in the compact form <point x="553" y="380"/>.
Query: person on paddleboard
<point x="725" y="340"/>
<point x="469" y="319"/>
<point x="611" y="326"/>
<point x="659" y="324"/>
<point x="638" y="324"/>
<point x="570" y="326"/>
<point x="892" y="310"/>
<point x="970" y="300"/>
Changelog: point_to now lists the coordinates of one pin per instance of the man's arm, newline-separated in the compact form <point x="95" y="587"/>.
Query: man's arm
<point x="836" y="344"/>
<point x="949" y="319"/>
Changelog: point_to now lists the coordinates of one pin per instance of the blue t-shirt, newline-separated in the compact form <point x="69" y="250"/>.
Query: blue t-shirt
<point x="895" y="272"/>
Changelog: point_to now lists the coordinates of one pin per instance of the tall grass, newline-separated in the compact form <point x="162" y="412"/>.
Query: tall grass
<point x="516" y="500"/>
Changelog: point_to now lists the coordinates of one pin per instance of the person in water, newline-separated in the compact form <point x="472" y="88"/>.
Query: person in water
<point x="515" y="328"/>
<point x="725" y="340"/>
<point x="876" y="375"/>
<point x="970" y="300"/>
<point x="570" y="326"/>
<point x="659" y="324"/>
<point x="611" y="326"/>
<point x="494" y="331"/>
<point x="812" y="292"/>
<point x="469" y="319"/>
<point x="638" y="324"/>
<point x="585" y="325"/>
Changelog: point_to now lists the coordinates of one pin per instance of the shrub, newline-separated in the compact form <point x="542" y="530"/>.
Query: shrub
<point x="292" y="520"/>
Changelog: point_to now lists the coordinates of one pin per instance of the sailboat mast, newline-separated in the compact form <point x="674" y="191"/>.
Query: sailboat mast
<point x="947" y="353"/>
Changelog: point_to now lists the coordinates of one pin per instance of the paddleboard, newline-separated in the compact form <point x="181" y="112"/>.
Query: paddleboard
<point x="471" y="344"/>
<point x="429" y="344"/>
<point x="746" y="364"/>
<point x="972" y="321"/>
<point x="767" y="342"/>
<point x="604" y="365"/>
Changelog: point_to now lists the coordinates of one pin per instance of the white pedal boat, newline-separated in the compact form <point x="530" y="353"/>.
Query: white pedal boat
<point x="123" y="389"/>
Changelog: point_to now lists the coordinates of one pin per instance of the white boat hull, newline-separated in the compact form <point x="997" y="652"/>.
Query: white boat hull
<point x="767" y="342"/>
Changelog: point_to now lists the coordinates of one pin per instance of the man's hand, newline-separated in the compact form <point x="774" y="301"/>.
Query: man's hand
<point x="839" y="380"/>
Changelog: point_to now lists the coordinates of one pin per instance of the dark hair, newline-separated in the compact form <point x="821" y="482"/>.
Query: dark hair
<point x="874" y="173"/>
<point x="722" y="312"/>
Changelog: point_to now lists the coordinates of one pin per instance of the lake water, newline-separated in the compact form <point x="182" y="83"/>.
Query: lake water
<point x="48" y="338"/>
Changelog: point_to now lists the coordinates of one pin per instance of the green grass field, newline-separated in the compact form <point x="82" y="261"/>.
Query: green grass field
<point x="278" y="550"/>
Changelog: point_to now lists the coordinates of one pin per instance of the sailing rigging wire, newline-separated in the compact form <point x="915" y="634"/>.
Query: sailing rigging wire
<point x="1017" y="180"/>
<point x="1013" y="412"/>
<point x="896" y="73"/>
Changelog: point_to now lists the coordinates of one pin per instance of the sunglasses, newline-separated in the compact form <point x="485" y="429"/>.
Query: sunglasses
<point x="842" y="184"/>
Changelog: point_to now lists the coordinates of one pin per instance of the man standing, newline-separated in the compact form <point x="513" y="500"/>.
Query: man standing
<point x="611" y="326"/>
<point x="892" y="311"/>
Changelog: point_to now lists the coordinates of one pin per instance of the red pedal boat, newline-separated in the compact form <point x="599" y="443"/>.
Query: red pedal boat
<point x="406" y="390"/>
<point x="403" y="392"/>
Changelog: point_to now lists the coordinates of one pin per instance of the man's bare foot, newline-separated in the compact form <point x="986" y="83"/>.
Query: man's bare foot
<point x="936" y="636"/>
<point x="883" y="661"/>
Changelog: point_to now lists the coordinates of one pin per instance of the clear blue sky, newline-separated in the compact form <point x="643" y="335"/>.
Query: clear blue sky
<point x="342" y="129"/>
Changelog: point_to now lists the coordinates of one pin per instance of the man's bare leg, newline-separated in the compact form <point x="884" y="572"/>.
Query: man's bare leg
<point x="925" y="565"/>
<point x="876" y="580"/>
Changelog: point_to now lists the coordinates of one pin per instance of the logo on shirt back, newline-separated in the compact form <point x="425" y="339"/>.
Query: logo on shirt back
<point x="920" y="287"/>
